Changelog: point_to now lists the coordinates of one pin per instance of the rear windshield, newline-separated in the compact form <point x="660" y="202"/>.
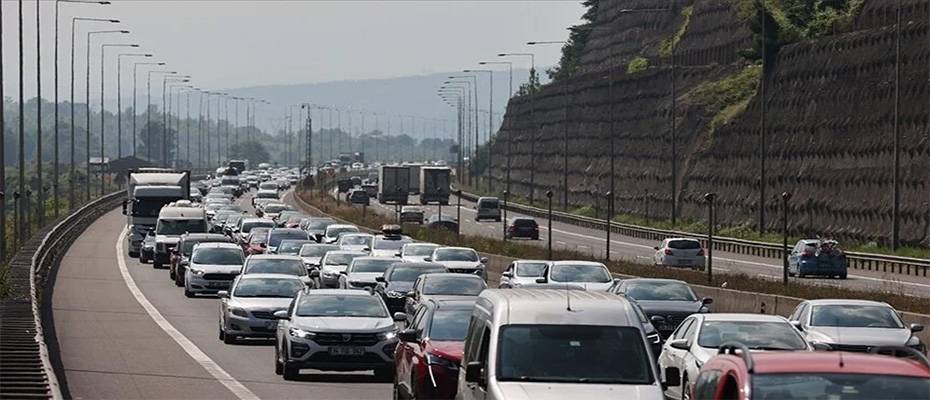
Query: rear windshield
<point x="217" y="256"/>
<point x="449" y="325"/>
<point x="385" y="244"/>
<point x="425" y="250"/>
<point x="531" y="270"/>
<point x="757" y="335"/>
<point x="319" y="224"/>
<point x="579" y="273"/>
<point x="341" y="258"/>
<point x="454" y="286"/>
<point x="488" y="203"/>
<point x="247" y="226"/>
<point x="670" y="291"/>
<point x="276" y="266"/>
<point x="180" y="226"/>
<point x="276" y="237"/>
<point x="684" y="244"/>
<point x="371" y="265"/>
<point x="269" y="287"/>
<point x="524" y="223"/>
<point x="316" y="250"/>
<point x="411" y="274"/>
<point x="855" y="316"/>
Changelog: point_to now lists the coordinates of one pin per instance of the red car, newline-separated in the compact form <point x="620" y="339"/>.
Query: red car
<point x="427" y="359"/>
<point x="738" y="374"/>
<point x="258" y="241"/>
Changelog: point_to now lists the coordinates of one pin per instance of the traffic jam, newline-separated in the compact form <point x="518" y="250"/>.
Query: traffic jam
<point x="326" y="295"/>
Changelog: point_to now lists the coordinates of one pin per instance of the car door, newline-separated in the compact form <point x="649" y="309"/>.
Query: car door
<point x="505" y="280"/>
<point x="794" y="257"/>
<point x="672" y="357"/>
<point x="406" y="357"/>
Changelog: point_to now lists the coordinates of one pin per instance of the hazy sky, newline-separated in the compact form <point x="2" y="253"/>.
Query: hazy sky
<point x="229" y="44"/>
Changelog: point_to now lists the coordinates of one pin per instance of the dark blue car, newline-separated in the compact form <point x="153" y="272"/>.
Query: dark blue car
<point x="815" y="257"/>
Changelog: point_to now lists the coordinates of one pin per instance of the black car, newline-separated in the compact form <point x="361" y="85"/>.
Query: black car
<point x="316" y="227"/>
<point x="667" y="302"/>
<point x="446" y="222"/>
<point x="358" y="196"/>
<point x="182" y="253"/>
<point x="439" y="286"/>
<point x="523" y="228"/>
<point x="398" y="280"/>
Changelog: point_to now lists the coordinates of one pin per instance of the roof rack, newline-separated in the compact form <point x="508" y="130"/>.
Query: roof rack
<point x="895" y="350"/>
<point x="732" y="347"/>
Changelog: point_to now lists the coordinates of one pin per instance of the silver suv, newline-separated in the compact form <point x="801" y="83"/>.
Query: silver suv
<point x="335" y="330"/>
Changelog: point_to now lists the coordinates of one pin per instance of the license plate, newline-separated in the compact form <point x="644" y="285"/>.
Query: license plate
<point x="685" y="262"/>
<point x="347" y="351"/>
<point x="217" y="284"/>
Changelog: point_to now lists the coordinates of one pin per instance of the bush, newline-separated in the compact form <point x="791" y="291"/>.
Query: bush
<point x="637" y="64"/>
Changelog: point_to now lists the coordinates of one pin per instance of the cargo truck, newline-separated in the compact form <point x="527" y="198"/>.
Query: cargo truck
<point x="414" y="177"/>
<point x="393" y="184"/>
<point x="434" y="185"/>
<point x="147" y="191"/>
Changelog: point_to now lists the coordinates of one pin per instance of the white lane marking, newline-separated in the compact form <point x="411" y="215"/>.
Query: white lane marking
<point x="234" y="386"/>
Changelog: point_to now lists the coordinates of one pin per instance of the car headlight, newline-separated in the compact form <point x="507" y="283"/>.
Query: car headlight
<point x="198" y="272"/>
<point x="297" y="332"/>
<point x="238" y="312"/>
<point x="654" y="338"/>
<point x="387" y="335"/>
<point x="433" y="359"/>
<point x="698" y="363"/>
<point x="913" y="342"/>
<point x="395" y="294"/>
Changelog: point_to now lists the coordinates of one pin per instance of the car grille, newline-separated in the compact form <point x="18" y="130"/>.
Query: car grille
<point x="263" y="314"/>
<point x="219" y="277"/>
<point x="362" y="284"/>
<point x="346" y="339"/>
<point x="462" y="270"/>
<point x="262" y="329"/>
<point x="851" y="347"/>
<point x="324" y="357"/>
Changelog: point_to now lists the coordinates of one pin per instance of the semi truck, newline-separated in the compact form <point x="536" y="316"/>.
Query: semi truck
<point x="147" y="191"/>
<point x="435" y="185"/>
<point x="393" y="184"/>
<point x="414" y="177"/>
<point x="239" y="165"/>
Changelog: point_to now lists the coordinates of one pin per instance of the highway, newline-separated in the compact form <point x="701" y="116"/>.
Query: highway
<point x="126" y="332"/>
<point x="592" y="242"/>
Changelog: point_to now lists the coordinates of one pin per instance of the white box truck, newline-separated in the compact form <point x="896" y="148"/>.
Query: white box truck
<point x="393" y="184"/>
<point x="435" y="185"/>
<point x="147" y="191"/>
<point x="414" y="177"/>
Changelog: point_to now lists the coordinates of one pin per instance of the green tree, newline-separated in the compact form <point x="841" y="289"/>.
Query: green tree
<point x="151" y="138"/>
<point x="577" y="39"/>
<point x="253" y="151"/>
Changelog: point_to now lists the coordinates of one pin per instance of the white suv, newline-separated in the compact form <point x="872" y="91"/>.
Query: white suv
<point x="335" y="330"/>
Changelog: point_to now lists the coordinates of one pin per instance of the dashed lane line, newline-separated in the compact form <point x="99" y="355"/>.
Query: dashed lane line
<point x="218" y="373"/>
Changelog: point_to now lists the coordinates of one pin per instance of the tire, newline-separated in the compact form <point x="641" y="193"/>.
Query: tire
<point x="142" y="258"/>
<point x="229" y="339"/>
<point x="685" y="390"/>
<point x="134" y="254"/>
<point x="843" y="276"/>
<point x="290" y="372"/>
<point x="278" y="365"/>
<point x="157" y="265"/>
<point x="222" y="334"/>
<point x="178" y="280"/>
<point x="385" y="374"/>
<point x="189" y="294"/>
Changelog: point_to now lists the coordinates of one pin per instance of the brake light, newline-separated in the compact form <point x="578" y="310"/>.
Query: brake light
<point x="668" y="252"/>
<point x="807" y="253"/>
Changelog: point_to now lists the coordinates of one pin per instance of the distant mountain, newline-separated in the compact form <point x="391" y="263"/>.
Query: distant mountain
<point x="407" y="96"/>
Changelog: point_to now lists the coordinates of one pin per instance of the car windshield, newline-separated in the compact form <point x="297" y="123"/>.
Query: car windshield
<point x="334" y="232"/>
<point x="319" y="224"/>
<point x="180" y="226"/>
<point x="266" y="195"/>
<point x="371" y="265"/>
<point x="762" y="335"/>
<point x="455" y="255"/>
<point x="454" y="286"/>
<point x="291" y="247"/>
<point x="340" y="258"/>
<point x="387" y="244"/>
<point x="423" y="251"/>
<point x="574" y="353"/>
<point x="579" y="273"/>
<point x="217" y="256"/>
<point x="312" y="250"/>
<point x="410" y="274"/>
<point x="684" y="244"/>
<point x="449" y="325"/>
<point x="188" y="245"/>
<point x="276" y="236"/>
<point x="150" y="206"/>
<point x="531" y="270"/>
<point x="488" y="203"/>
<point x="524" y="223"/>
<point x="855" y="316"/>
<point x="275" y="266"/>
<point x="355" y="240"/>
<point x="821" y="386"/>
<point x="275" y="208"/>
<point x="341" y="306"/>
<point x="268" y="287"/>
<point x="669" y="291"/>
<point x="247" y="226"/>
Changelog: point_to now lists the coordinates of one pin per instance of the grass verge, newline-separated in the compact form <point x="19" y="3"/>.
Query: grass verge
<point x="515" y="249"/>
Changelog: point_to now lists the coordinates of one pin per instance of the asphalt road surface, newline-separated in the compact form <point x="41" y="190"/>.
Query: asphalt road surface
<point x="593" y="242"/>
<point x="126" y="332"/>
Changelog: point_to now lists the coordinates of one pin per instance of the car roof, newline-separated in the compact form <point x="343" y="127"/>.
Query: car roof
<point x="288" y="230"/>
<point x="401" y="263"/>
<point x="454" y="248"/>
<point x="218" y="245"/>
<point x="851" y="302"/>
<point x="333" y="226"/>
<point x="204" y="236"/>
<point x="743" y="317"/>
<point x="545" y="306"/>
<point x="682" y="238"/>
<point x="180" y="212"/>
<point x="576" y="262"/>
<point x="272" y="257"/>
<point x="334" y="252"/>
<point x="370" y="258"/>
<point x="337" y="292"/>
<point x="830" y="361"/>
<point x="529" y="261"/>
<point x="356" y="234"/>
<point x="654" y="280"/>
<point x="254" y="219"/>
<point x="457" y="304"/>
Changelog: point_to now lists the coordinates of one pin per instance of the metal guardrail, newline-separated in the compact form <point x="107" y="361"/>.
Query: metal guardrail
<point x="856" y="260"/>
<point x="26" y="371"/>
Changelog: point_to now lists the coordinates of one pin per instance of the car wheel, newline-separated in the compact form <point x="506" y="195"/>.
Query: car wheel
<point x="222" y="334"/>
<point x="178" y="280"/>
<point x="290" y="372"/>
<point x="229" y="339"/>
<point x="843" y="276"/>
<point x="685" y="390"/>
<point x="189" y="294"/>
<point x="134" y="254"/>
<point x="156" y="265"/>
<point x="278" y="365"/>
<point x="143" y="259"/>
<point x="171" y="274"/>
<point x="384" y="374"/>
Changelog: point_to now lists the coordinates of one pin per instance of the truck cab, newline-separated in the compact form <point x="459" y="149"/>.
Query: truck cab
<point x="173" y="222"/>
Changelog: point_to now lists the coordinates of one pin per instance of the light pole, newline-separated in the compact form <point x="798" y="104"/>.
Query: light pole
<point x="103" y="53"/>
<point x="458" y="92"/>
<point x="55" y="184"/>
<point x="490" y="117"/>
<point x="72" y="173"/>
<point x="87" y="105"/>
<point x="119" y="97"/>
<point x="532" y="94"/>
<point x="164" y="112"/>
<point x="711" y="222"/>
<point x="549" y="236"/>
<point x="785" y="198"/>
<point x="474" y="149"/>
<point x="135" y="133"/>
<point x="610" y="213"/>
<point x="148" y="111"/>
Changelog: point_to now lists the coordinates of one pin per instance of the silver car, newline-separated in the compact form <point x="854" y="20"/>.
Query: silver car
<point x="588" y="274"/>
<point x="356" y="242"/>
<point x="334" y="264"/>
<point x="312" y="254"/>
<point x="332" y="232"/>
<point x="247" y="309"/>
<point x="335" y="330"/>
<point x="362" y="272"/>
<point x="854" y="325"/>
<point x="522" y="273"/>
<point x="212" y="267"/>
<point x="462" y="260"/>
<point x="417" y="252"/>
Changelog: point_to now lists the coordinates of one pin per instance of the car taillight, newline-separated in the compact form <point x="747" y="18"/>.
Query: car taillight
<point x="668" y="252"/>
<point x="807" y="253"/>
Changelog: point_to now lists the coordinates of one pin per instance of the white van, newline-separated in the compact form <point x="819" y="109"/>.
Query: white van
<point x="172" y="223"/>
<point x="557" y="344"/>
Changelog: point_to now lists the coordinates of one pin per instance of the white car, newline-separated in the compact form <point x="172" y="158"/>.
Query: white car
<point x="247" y="309"/>
<point x="333" y="264"/>
<point x="212" y="267"/>
<point x="854" y="325"/>
<point x="587" y="274"/>
<point x="417" y="252"/>
<point x="680" y="252"/>
<point x="388" y="246"/>
<point x="355" y="242"/>
<point x="363" y="271"/>
<point x="522" y="273"/>
<point x="699" y="336"/>
<point x="461" y="260"/>
<point x="332" y="232"/>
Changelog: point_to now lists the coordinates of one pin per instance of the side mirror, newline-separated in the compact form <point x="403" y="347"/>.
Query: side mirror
<point x="541" y="280"/>
<point x="473" y="372"/>
<point x="428" y="259"/>
<point x="411" y="295"/>
<point x="672" y="377"/>
<point x="656" y="248"/>
<point x="400" y="317"/>
<point x="281" y="314"/>
<point x="680" y="344"/>
<point x="507" y="274"/>
<point x="379" y="279"/>
<point x="821" y="346"/>
<point x="657" y="319"/>
<point x="223" y="294"/>
<point x="398" y="255"/>
<point x="484" y="260"/>
<point x="263" y="245"/>
<point x="797" y="325"/>
<point x="124" y="206"/>
<point x="707" y="301"/>
<point x="407" y="335"/>
<point x="916" y="328"/>
<point x="315" y="274"/>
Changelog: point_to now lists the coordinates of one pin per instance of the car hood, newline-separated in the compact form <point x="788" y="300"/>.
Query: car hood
<point x="384" y="253"/>
<point x="653" y="307"/>
<point x="363" y="276"/>
<point x="587" y="391"/>
<point x="167" y="239"/>
<point x="450" y="350"/>
<point x="343" y="324"/>
<point x="311" y="260"/>
<point x="591" y="286"/>
<point x="261" y="303"/>
<point x="217" y="269"/>
<point x="858" y="336"/>
<point x="460" y="264"/>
